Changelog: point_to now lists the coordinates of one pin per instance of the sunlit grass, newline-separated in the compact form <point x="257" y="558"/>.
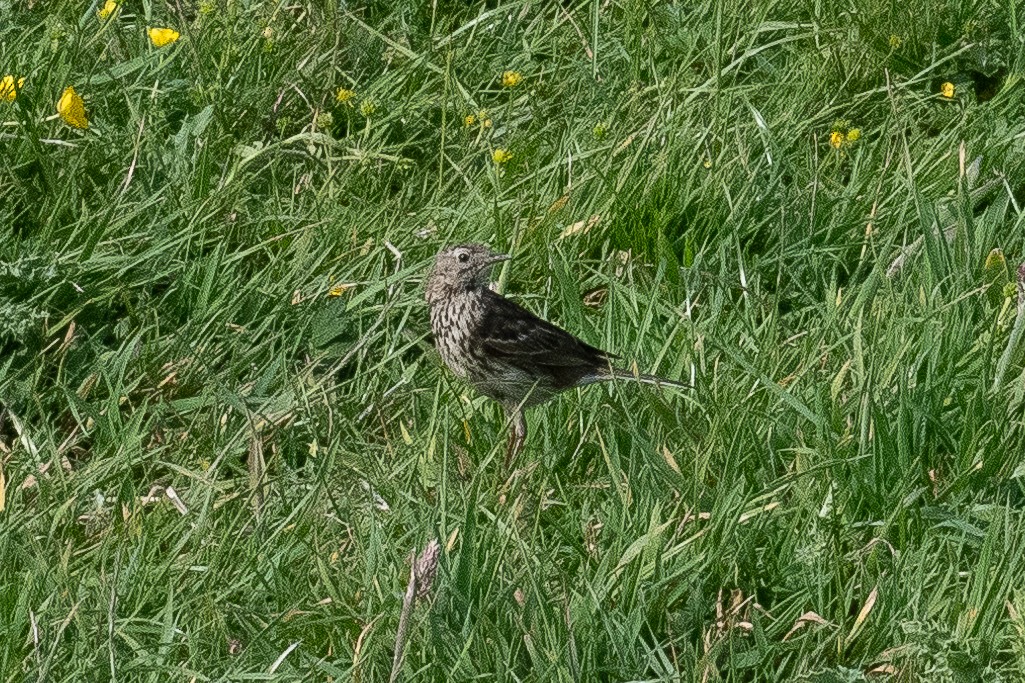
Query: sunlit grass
<point x="223" y="432"/>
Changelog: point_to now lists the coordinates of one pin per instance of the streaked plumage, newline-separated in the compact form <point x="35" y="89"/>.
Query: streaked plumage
<point x="500" y="348"/>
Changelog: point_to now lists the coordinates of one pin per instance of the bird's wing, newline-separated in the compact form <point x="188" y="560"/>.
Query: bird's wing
<point x="517" y="336"/>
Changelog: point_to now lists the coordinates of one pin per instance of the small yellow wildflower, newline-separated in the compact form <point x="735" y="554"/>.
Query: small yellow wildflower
<point x="486" y="123"/>
<point x="599" y="131"/>
<point x="469" y="120"/>
<point x="895" y="41"/>
<point x="853" y="135"/>
<point x="344" y="96"/>
<point x="510" y="79"/>
<point x="836" y="139"/>
<point x="947" y="90"/>
<point x="338" y="290"/>
<point x="9" y="89"/>
<point x="72" y="109"/>
<point x="501" y="156"/>
<point x="108" y="9"/>
<point x="367" y="107"/>
<point x="707" y="162"/>
<point x="161" y="37"/>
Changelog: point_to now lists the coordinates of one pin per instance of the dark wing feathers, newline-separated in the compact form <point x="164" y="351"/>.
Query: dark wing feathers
<point x="515" y="335"/>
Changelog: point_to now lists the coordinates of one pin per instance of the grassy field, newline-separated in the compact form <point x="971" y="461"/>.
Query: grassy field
<point x="224" y="433"/>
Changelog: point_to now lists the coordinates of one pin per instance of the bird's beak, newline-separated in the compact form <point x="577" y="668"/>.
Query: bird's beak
<point x="498" y="258"/>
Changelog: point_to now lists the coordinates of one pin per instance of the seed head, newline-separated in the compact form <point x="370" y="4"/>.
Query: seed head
<point x="427" y="568"/>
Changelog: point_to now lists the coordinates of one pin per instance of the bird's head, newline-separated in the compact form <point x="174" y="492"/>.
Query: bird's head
<point x="461" y="267"/>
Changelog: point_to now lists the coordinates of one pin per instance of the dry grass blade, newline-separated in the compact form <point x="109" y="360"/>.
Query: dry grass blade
<point x="859" y="622"/>
<point x="257" y="468"/>
<point x="804" y="620"/>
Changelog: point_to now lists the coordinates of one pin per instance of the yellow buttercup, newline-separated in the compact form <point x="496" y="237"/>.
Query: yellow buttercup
<point x="71" y="108"/>
<point x="161" y="37"/>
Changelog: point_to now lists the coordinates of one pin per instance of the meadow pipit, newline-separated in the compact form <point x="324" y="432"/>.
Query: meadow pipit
<point x="503" y="350"/>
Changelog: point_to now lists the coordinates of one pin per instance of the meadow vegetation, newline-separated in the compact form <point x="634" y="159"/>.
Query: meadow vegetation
<point x="223" y="430"/>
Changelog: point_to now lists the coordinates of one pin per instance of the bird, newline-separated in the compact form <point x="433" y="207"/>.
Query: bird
<point x="503" y="350"/>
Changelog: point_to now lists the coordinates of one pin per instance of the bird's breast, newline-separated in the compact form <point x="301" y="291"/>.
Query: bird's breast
<point x="452" y="322"/>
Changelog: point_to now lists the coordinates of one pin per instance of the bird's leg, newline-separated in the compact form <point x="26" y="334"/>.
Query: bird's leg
<point x="517" y="435"/>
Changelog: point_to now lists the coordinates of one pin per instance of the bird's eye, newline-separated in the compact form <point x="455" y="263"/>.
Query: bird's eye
<point x="463" y="257"/>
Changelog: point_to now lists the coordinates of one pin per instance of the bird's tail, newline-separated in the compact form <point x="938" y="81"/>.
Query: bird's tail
<point x="649" y="379"/>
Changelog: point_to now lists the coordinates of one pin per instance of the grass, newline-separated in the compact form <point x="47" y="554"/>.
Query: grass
<point x="217" y="459"/>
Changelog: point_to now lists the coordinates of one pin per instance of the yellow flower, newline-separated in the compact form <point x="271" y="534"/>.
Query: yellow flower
<point x="338" y="290"/>
<point x="367" y="107"/>
<point x="501" y="156"/>
<point x="947" y="90"/>
<point x="836" y="139"/>
<point x="161" y="37"/>
<point x="469" y="120"/>
<point x="9" y="89"/>
<point x="109" y="7"/>
<point x="72" y="109"/>
<point x="344" y="96"/>
<point x="510" y="79"/>
<point x="486" y="123"/>
<point x="895" y="41"/>
<point x="853" y="135"/>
